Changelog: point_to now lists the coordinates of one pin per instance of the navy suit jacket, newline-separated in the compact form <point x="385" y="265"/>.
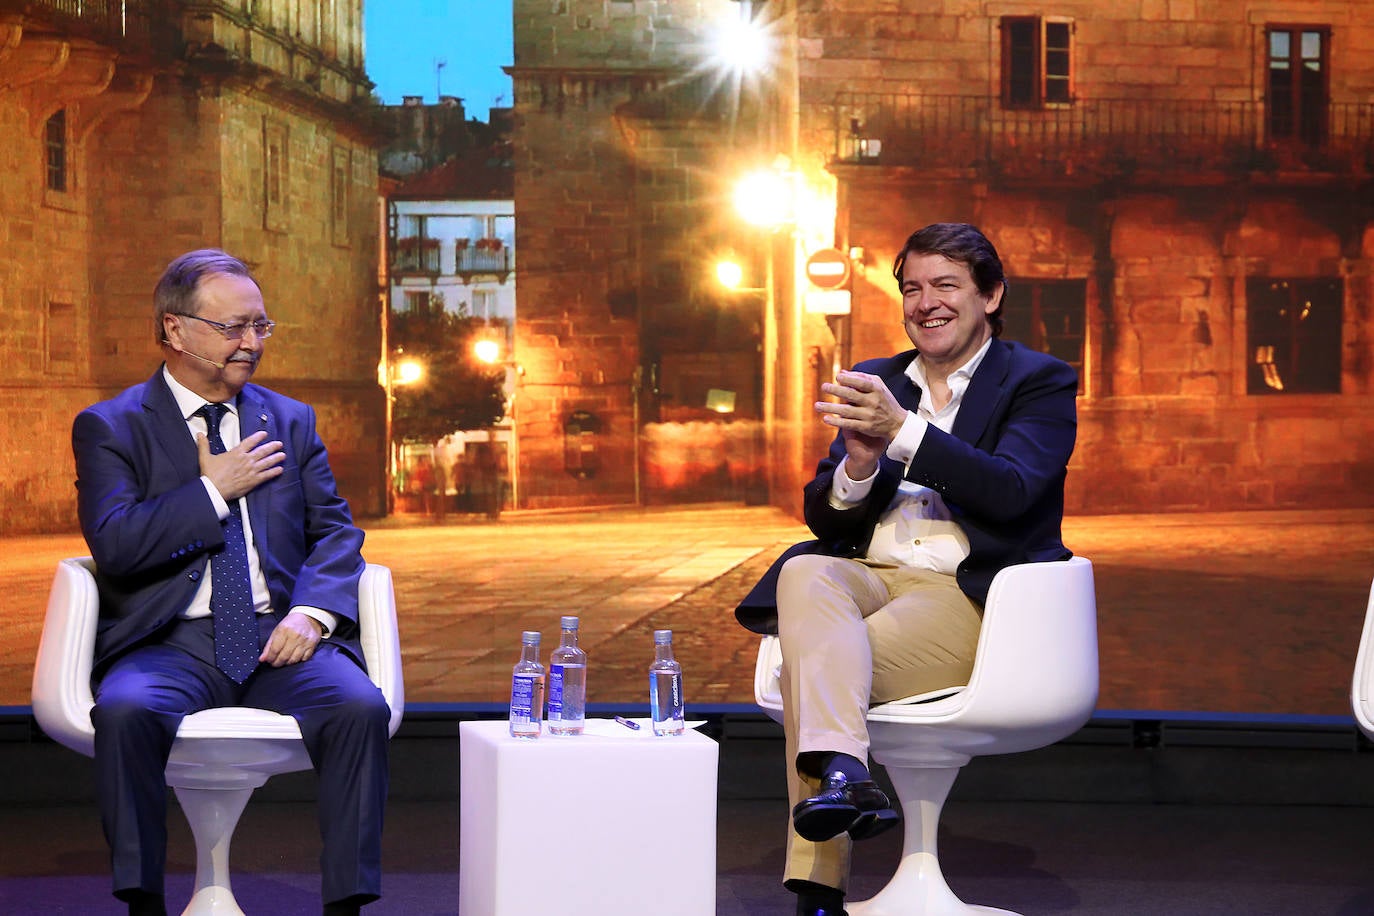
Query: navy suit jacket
<point x="1000" y="471"/>
<point x="152" y="528"/>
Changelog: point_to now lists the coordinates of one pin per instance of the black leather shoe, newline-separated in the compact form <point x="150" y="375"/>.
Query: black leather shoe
<point x="816" y="899"/>
<point x="142" y="903"/>
<point x="858" y="808"/>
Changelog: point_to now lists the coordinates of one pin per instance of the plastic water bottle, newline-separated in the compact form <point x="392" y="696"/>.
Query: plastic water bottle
<point x="527" y="689"/>
<point x="665" y="687"/>
<point x="567" y="683"/>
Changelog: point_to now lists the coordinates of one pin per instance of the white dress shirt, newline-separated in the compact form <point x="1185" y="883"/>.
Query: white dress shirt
<point x="190" y="403"/>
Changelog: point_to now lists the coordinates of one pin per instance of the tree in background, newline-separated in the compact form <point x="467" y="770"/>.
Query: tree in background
<point x="457" y="392"/>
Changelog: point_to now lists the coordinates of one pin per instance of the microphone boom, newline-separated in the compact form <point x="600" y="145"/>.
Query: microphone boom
<point x="204" y="359"/>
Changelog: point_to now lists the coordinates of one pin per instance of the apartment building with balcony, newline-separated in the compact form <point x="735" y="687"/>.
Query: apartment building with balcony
<point x="451" y="239"/>
<point x="450" y="246"/>
<point x="134" y="130"/>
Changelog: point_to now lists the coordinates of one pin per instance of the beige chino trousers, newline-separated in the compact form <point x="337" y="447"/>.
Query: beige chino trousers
<point x="853" y="634"/>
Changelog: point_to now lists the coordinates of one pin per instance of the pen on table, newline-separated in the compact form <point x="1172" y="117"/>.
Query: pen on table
<point x="627" y="723"/>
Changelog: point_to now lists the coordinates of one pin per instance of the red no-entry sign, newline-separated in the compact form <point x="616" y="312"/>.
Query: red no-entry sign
<point x="828" y="268"/>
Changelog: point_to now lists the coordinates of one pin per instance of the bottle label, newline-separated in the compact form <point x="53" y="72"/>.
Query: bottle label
<point x="555" y="698"/>
<point x="665" y="702"/>
<point x="521" y="698"/>
<point x="665" y="696"/>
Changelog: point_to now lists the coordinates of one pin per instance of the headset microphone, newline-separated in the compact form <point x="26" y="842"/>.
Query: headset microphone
<point x="203" y="359"/>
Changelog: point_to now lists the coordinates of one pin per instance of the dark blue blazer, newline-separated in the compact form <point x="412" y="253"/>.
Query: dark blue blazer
<point x="1000" y="471"/>
<point x="151" y="527"/>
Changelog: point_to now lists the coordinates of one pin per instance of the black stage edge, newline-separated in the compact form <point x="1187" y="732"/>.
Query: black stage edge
<point x="1131" y="758"/>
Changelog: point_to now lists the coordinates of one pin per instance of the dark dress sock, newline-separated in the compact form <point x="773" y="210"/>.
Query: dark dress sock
<point x="851" y="766"/>
<point x="820" y="764"/>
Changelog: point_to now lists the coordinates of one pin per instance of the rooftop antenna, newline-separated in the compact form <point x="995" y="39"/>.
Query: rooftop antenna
<point x="439" y="66"/>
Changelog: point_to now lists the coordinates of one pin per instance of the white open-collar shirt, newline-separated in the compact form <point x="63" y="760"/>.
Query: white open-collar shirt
<point x="190" y="403"/>
<point x="915" y="529"/>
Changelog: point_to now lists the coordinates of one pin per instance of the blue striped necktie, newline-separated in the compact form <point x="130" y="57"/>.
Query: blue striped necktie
<point x="231" y="588"/>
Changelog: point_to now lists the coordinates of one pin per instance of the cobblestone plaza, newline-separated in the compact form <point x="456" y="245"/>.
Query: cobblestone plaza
<point x="1248" y="613"/>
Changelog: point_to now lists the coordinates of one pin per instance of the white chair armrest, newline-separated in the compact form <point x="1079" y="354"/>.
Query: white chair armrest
<point x="1037" y="650"/>
<point x="61" y="694"/>
<point x="380" y="638"/>
<point x="767" y="686"/>
<point x="1362" y="685"/>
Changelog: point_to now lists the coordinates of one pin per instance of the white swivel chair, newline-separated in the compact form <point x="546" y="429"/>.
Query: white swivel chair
<point x="220" y="755"/>
<point x="1034" y="682"/>
<point x="1362" y="688"/>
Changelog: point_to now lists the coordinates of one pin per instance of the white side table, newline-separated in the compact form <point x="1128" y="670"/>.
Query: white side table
<point x="612" y="821"/>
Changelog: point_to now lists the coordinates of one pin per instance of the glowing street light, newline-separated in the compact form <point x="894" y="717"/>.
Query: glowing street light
<point x="394" y="371"/>
<point x="770" y="199"/>
<point x="408" y="371"/>
<point x="764" y="198"/>
<point x="742" y="44"/>
<point x="730" y="274"/>
<point x="487" y="350"/>
<point x="743" y="49"/>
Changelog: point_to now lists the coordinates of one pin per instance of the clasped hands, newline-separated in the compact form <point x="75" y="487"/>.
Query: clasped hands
<point x="867" y="415"/>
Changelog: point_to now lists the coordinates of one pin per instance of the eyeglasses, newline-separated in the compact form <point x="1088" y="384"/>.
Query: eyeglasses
<point x="261" y="329"/>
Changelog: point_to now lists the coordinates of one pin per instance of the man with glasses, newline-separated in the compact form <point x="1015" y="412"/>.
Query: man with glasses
<point x="228" y="568"/>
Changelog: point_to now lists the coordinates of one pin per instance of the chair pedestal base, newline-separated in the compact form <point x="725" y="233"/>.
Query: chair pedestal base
<point x="918" y="888"/>
<point x="213" y="814"/>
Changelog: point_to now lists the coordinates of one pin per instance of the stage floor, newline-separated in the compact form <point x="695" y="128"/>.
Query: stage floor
<point x="1124" y="818"/>
<point x="1034" y="858"/>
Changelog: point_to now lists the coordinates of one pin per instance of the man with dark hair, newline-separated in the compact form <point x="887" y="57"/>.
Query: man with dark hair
<point x="948" y="464"/>
<point x="228" y="570"/>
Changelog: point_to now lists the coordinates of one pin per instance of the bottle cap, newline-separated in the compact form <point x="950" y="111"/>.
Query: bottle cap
<point x="529" y="638"/>
<point x="568" y="623"/>
<point x="663" y="637"/>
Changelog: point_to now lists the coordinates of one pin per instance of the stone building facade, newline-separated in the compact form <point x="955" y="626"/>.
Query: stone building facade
<point x="1182" y="197"/>
<point x="644" y="380"/>
<point x="1181" y="193"/>
<point x="128" y="139"/>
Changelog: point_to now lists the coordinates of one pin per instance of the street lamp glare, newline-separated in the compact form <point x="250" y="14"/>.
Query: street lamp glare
<point x="763" y="198"/>
<point x="729" y="273"/>
<point x="487" y="350"/>
<point x="409" y="371"/>
<point x="742" y="45"/>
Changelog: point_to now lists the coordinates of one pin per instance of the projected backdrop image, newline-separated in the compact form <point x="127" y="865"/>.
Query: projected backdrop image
<point x="622" y="291"/>
<point x="1198" y="613"/>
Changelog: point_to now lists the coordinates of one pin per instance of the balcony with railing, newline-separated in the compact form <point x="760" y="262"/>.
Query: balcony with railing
<point x="415" y="256"/>
<point x="131" y="25"/>
<point x="483" y="256"/>
<point x="1099" y="138"/>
